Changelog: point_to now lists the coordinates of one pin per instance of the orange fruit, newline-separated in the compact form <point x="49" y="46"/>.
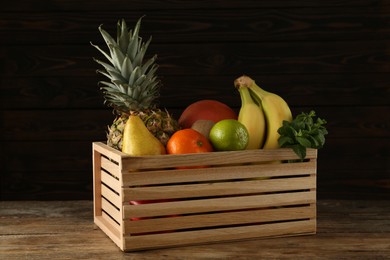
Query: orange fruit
<point x="188" y="141"/>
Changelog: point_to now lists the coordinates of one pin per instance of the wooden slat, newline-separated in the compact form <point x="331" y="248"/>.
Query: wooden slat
<point x="62" y="5"/>
<point x="111" y="210"/>
<point x="113" y="223"/>
<point x="218" y="219"/>
<point x="224" y="58"/>
<point x="217" y="173"/>
<point x="111" y="196"/>
<point x="111" y="168"/>
<point x="314" y="89"/>
<point x="234" y="233"/>
<point x="219" y="204"/>
<point x="219" y="188"/>
<point x="214" y="25"/>
<point x="55" y="124"/>
<point x="110" y="181"/>
<point x="49" y="125"/>
<point x="212" y="158"/>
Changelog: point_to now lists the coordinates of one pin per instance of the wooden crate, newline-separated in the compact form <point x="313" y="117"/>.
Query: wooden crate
<point x="240" y="195"/>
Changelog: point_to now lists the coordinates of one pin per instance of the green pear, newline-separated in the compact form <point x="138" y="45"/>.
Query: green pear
<point x="138" y="140"/>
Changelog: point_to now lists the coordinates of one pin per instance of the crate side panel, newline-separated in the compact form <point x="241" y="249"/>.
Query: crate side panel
<point x="211" y="220"/>
<point x="218" y="204"/>
<point x="218" y="173"/>
<point x="217" y="235"/>
<point x="219" y="188"/>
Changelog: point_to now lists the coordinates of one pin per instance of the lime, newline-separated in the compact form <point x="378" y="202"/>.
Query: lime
<point x="229" y="135"/>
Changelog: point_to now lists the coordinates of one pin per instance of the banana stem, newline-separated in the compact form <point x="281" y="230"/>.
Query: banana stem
<point x="243" y="81"/>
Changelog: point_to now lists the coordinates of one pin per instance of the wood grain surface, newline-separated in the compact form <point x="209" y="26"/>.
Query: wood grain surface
<point x="330" y="56"/>
<point x="64" y="230"/>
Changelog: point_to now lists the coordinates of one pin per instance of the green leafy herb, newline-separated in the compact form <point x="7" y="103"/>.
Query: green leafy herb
<point x="303" y="132"/>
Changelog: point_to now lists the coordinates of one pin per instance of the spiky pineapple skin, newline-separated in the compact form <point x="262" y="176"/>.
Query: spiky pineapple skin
<point x="132" y="84"/>
<point x="159" y="122"/>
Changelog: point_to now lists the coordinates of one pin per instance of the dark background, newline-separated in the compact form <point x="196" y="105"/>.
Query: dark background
<point x="331" y="56"/>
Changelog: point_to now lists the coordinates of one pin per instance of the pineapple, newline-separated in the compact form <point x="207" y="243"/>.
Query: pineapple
<point x="133" y="87"/>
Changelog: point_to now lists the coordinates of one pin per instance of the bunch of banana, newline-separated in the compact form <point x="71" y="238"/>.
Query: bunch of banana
<point x="252" y="117"/>
<point x="269" y="106"/>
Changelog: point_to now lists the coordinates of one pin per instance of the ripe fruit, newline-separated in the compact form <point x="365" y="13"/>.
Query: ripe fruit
<point x="275" y="108"/>
<point x="207" y="110"/>
<point x="229" y="135"/>
<point x="188" y="141"/>
<point x="203" y="127"/>
<point x="138" y="140"/>
<point x="132" y="86"/>
<point x="252" y="116"/>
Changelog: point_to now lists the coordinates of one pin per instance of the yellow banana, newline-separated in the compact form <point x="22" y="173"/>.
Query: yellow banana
<point x="275" y="108"/>
<point x="252" y="116"/>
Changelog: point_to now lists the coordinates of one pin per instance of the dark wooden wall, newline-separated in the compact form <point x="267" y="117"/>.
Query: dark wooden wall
<point x="332" y="56"/>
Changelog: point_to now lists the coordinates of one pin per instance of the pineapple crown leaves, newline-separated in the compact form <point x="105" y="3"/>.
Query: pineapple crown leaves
<point x="133" y="84"/>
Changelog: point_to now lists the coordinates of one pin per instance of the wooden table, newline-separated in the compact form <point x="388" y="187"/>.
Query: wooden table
<point x="65" y="230"/>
